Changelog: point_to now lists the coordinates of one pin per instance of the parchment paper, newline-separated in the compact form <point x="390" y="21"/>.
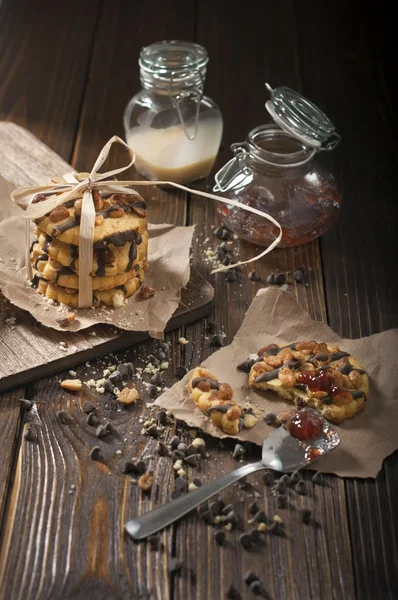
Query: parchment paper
<point x="168" y="273"/>
<point x="275" y="316"/>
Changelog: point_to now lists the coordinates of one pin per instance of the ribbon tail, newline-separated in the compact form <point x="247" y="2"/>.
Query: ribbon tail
<point x="29" y="270"/>
<point x="87" y="223"/>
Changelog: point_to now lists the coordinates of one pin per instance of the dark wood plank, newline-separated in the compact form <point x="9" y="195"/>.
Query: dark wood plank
<point x="352" y="81"/>
<point x="45" y="49"/>
<point x="286" y="565"/>
<point x="10" y="413"/>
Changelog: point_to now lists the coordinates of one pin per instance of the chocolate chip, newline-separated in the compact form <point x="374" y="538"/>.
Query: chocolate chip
<point x="260" y="517"/>
<point x="161" y="417"/>
<point x="88" y="407"/>
<point x="25" y="404"/>
<point x="280" y="280"/>
<point x="192" y="461"/>
<point x="180" y="487"/>
<point x="175" y="440"/>
<point x="182" y="447"/>
<point x="95" y="453"/>
<point x="212" y="327"/>
<point x="218" y="339"/>
<point x="302" y="268"/>
<point x="268" y="478"/>
<point x="108" y="386"/>
<point x="257" y="588"/>
<point x="232" y="593"/>
<point x="271" y="279"/>
<point x="221" y="233"/>
<point x="219" y="537"/>
<point x="295" y="476"/>
<point x="206" y="517"/>
<point x="253" y="508"/>
<point x="249" y="577"/>
<point x="62" y="416"/>
<point x="245" y="540"/>
<point x="301" y="488"/>
<point x="298" y="275"/>
<point x="282" y="501"/>
<point x="281" y="486"/>
<point x="276" y="528"/>
<point x="101" y="431"/>
<point x="92" y="420"/>
<point x="108" y="427"/>
<point x="317" y="478"/>
<point x="175" y="565"/>
<point x="153" y="431"/>
<point x="246" y="365"/>
<point x="162" y="449"/>
<point x="253" y="276"/>
<point x="156" y="379"/>
<point x="152" y="390"/>
<point x="153" y="360"/>
<point x="231" y="276"/>
<point x="179" y="455"/>
<point x="254" y="534"/>
<point x="130" y="367"/>
<point x="161" y="355"/>
<point x="123" y="370"/>
<point x="129" y="467"/>
<point x="223" y="247"/>
<point x="286" y="480"/>
<point x="215" y="508"/>
<point x="231" y="518"/>
<point x="115" y="378"/>
<point x="305" y="515"/>
<point x="154" y="541"/>
<point x="227" y="509"/>
<point x="239" y="451"/>
<point x="28" y="435"/>
<point x="270" y="418"/>
<point x="165" y="347"/>
<point x="140" y="466"/>
<point x="181" y="372"/>
<point x="196" y="481"/>
<point x="191" y="449"/>
<point x="226" y="260"/>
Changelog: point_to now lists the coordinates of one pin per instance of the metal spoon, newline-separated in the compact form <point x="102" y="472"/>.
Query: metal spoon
<point x="281" y="452"/>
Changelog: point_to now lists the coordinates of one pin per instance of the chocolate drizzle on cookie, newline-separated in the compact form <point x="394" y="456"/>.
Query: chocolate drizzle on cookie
<point x="32" y="245"/>
<point x="214" y="385"/>
<point x="47" y="243"/>
<point x="269" y="375"/>
<point x="63" y="271"/>
<point x="36" y="278"/>
<point x="132" y="256"/>
<point x="117" y="239"/>
<point x="40" y="258"/>
<point x="222" y="408"/>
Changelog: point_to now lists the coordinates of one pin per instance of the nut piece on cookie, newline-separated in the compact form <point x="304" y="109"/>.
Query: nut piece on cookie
<point x="59" y="213"/>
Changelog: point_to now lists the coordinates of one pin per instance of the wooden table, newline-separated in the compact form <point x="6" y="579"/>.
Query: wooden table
<point x="67" y="71"/>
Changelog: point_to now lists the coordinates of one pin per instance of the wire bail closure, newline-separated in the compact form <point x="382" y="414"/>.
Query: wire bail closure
<point x="195" y="95"/>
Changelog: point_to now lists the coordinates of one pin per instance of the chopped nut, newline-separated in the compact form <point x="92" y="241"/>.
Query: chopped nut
<point x="129" y="396"/>
<point x="146" y="291"/>
<point x="58" y="213"/>
<point x="285" y="415"/>
<point x="145" y="482"/>
<point x="66" y="320"/>
<point x="74" y="385"/>
<point x="116" y="213"/>
<point x="98" y="201"/>
<point x="99" y="219"/>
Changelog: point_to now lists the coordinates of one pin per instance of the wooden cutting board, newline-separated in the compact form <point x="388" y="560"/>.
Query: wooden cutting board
<point x="29" y="351"/>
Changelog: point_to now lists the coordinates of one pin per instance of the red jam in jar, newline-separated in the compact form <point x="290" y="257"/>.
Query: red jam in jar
<point x="305" y="425"/>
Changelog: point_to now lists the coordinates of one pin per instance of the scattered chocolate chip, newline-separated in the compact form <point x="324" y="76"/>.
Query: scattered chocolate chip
<point x="161" y="417"/>
<point x="253" y="276"/>
<point x="108" y="427"/>
<point x="253" y="508"/>
<point x="257" y="588"/>
<point x="192" y="461"/>
<point x="215" y="508"/>
<point x="156" y="379"/>
<point x="25" y="404"/>
<point x="282" y="501"/>
<point x="245" y="540"/>
<point x="219" y="537"/>
<point x="115" y="378"/>
<point x="175" y="440"/>
<point x="101" y="431"/>
<point x="298" y="275"/>
<point x="223" y="246"/>
<point x="231" y="518"/>
<point x="140" y="466"/>
<point x="180" y="487"/>
<point x="317" y="478"/>
<point x="212" y="327"/>
<point x="281" y="486"/>
<point x="295" y="477"/>
<point x="92" y="420"/>
<point x="271" y="279"/>
<point x="239" y="451"/>
<point x="221" y="233"/>
<point x="302" y="268"/>
<point x="276" y="528"/>
<point x="254" y="534"/>
<point x="62" y="416"/>
<point x="153" y="360"/>
<point x="88" y="407"/>
<point x="227" y="509"/>
<point x="196" y="481"/>
<point x="191" y="449"/>
<point x="123" y="370"/>
<point x="152" y="390"/>
<point x="175" y="565"/>
<point x="206" y="517"/>
<point x="249" y="577"/>
<point x="218" y="339"/>
<point x="182" y="447"/>
<point x="227" y="260"/>
<point x="108" y="386"/>
<point x="165" y="347"/>
<point x="280" y="280"/>
<point x="268" y="478"/>
<point x="231" y="276"/>
<point x="153" y="431"/>
<point x="286" y="479"/>
<point x="260" y="517"/>
<point x="28" y="435"/>
<point x="130" y="368"/>
<point x="181" y="372"/>
<point x="301" y="488"/>
<point x="232" y="593"/>
<point x="270" y="418"/>
<point x="162" y="449"/>
<point x="95" y="453"/>
<point x="178" y="455"/>
<point x="154" y="541"/>
<point x="305" y="515"/>
<point x="161" y="355"/>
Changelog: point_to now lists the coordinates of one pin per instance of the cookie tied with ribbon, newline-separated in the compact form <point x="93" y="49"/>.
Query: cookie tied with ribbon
<point x="88" y="219"/>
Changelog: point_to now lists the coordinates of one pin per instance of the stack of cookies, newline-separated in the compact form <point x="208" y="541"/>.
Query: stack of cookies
<point x="119" y="249"/>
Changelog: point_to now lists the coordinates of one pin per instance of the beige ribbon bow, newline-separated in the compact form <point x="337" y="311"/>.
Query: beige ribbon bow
<point x="60" y="193"/>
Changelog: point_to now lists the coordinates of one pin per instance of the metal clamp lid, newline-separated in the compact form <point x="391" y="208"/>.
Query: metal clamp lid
<point x="301" y="118"/>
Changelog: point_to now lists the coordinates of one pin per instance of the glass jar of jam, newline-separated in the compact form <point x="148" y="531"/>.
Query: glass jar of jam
<point x="174" y="130"/>
<point x="275" y="171"/>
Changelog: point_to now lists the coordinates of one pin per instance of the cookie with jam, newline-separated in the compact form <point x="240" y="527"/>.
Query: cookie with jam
<point x="313" y="374"/>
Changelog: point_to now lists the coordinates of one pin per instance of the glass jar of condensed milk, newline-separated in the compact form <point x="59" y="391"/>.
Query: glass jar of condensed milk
<point x="274" y="171"/>
<point x="174" y="130"/>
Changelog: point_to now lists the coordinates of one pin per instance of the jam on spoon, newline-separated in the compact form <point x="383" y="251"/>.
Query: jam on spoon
<point x="305" y="425"/>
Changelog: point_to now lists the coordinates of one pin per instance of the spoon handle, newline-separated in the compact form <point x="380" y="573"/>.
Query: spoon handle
<point x="151" y="522"/>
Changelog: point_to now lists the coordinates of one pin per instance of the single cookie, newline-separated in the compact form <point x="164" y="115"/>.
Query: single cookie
<point x="54" y="272"/>
<point x="215" y="400"/>
<point x="113" y="297"/>
<point x="313" y="374"/>
<point x="107" y="261"/>
<point x="119" y="219"/>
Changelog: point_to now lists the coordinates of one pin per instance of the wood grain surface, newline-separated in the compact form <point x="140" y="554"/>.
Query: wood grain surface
<point x="59" y="541"/>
